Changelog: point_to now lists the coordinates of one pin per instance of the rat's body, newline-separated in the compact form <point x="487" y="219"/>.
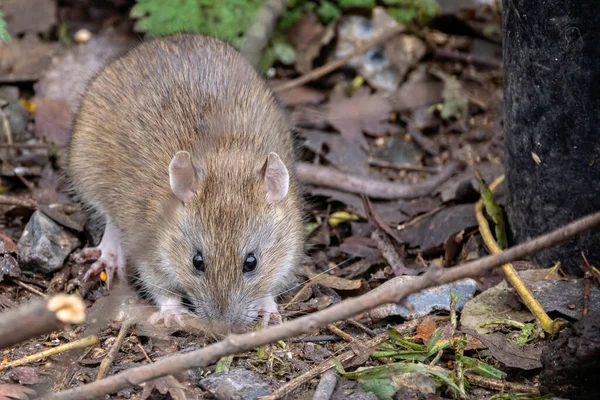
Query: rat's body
<point x="181" y="148"/>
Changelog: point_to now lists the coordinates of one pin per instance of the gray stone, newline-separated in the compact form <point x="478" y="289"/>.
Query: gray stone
<point x="45" y="245"/>
<point x="235" y="384"/>
<point x="426" y="301"/>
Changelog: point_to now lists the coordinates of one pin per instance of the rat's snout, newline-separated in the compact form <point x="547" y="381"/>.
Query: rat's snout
<point x="232" y="314"/>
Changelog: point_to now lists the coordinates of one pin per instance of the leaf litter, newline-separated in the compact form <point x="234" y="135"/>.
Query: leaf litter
<point x="375" y="100"/>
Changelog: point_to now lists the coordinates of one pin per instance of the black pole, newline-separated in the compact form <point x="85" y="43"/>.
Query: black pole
<point x="552" y="109"/>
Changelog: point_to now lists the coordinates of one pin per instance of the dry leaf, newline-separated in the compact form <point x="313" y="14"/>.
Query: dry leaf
<point x="425" y="329"/>
<point x="364" y="112"/>
<point x="334" y="282"/>
<point x="12" y="392"/>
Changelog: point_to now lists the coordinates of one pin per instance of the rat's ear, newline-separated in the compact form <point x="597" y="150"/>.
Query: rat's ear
<point x="277" y="178"/>
<point x="182" y="176"/>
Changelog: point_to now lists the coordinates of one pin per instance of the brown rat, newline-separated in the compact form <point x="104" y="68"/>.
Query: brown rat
<point x="180" y="147"/>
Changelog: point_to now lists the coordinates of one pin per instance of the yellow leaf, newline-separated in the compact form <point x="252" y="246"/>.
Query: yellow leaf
<point x="339" y="217"/>
<point x="103" y="276"/>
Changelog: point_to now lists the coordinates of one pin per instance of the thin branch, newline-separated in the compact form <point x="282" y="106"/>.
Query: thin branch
<point x="40" y="317"/>
<point x="453" y="55"/>
<point x="373" y="188"/>
<point x="400" y="167"/>
<point x="333" y="65"/>
<point x="393" y="293"/>
<point x="346" y="336"/>
<point x="15" y="201"/>
<point x="77" y="344"/>
<point x="260" y="32"/>
<point x="428" y="145"/>
<point x="497" y="384"/>
<point x="114" y="350"/>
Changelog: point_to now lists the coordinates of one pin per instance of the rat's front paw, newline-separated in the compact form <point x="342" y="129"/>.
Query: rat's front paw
<point x="171" y="312"/>
<point x="106" y="262"/>
<point x="170" y="318"/>
<point x="108" y="256"/>
<point x="267" y="308"/>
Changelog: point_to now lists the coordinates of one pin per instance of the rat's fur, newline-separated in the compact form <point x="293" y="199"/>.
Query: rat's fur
<point x="196" y="94"/>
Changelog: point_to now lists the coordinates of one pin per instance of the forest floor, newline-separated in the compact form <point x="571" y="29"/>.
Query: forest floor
<point x="398" y="113"/>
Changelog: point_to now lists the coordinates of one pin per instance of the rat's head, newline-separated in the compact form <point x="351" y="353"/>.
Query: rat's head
<point x="239" y="235"/>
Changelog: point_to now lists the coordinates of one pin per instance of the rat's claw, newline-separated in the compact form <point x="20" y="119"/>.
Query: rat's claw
<point x="108" y="256"/>
<point x="168" y="317"/>
<point x="107" y="262"/>
<point x="269" y="311"/>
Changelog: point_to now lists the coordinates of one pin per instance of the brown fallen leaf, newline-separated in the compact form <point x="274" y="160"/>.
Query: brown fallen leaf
<point x="425" y="329"/>
<point x="365" y="112"/>
<point x="11" y="392"/>
<point x="333" y="282"/>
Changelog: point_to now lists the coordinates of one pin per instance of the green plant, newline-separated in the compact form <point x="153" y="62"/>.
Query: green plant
<point x="225" y="19"/>
<point x="4" y="36"/>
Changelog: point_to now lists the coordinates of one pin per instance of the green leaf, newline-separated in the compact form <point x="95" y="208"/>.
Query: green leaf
<point x="408" y="10"/>
<point x="412" y="355"/>
<point x="394" y="334"/>
<point x="224" y="364"/>
<point x="356" y="3"/>
<point x="327" y="12"/>
<point x="4" y="36"/>
<point x="384" y="389"/>
<point x="284" y="52"/>
<point x="492" y="209"/>
<point x="225" y="19"/>
<point x="483" y="369"/>
<point x="527" y="334"/>
<point x="433" y="339"/>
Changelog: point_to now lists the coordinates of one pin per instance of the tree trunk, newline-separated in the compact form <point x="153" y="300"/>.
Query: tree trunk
<point x="552" y="122"/>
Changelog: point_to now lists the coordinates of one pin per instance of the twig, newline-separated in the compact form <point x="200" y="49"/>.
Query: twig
<point x="334" y="329"/>
<point x="401" y="167"/>
<point x="110" y="357"/>
<point x="423" y="141"/>
<point x="238" y="343"/>
<point x="77" y="344"/>
<point x="333" y="65"/>
<point x="139" y="345"/>
<point x="496" y="384"/>
<point x="326" y="386"/>
<point x="15" y="201"/>
<point x="40" y="317"/>
<point x="467" y="58"/>
<point x="260" y="32"/>
<point x="29" y="287"/>
<point x="6" y="170"/>
<point x="336" y="179"/>
<point x="357" y="324"/>
<point x="318" y="338"/>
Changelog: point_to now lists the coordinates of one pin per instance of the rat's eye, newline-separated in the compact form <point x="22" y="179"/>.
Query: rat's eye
<point x="250" y="263"/>
<point x="199" y="262"/>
